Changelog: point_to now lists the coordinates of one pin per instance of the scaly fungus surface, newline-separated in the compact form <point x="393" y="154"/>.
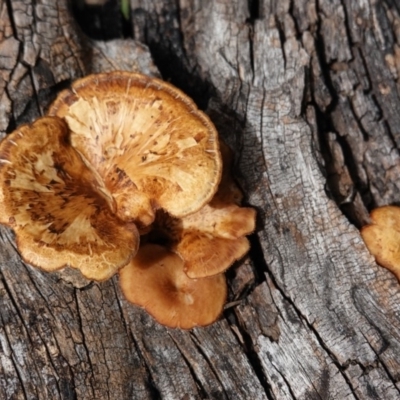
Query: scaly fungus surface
<point x="146" y="139"/>
<point x="56" y="206"/>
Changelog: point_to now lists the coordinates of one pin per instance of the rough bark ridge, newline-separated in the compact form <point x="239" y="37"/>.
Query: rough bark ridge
<point x="306" y="92"/>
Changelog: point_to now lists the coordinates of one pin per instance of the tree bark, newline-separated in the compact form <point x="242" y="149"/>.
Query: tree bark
<point x="306" y="92"/>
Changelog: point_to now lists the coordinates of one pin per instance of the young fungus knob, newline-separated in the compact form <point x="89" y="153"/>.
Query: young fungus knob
<point x="155" y="280"/>
<point x="146" y="139"/>
<point x="382" y="237"/>
<point x="56" y="206"/>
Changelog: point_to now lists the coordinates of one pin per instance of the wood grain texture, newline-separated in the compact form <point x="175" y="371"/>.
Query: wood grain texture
<point x="307" y="93"/>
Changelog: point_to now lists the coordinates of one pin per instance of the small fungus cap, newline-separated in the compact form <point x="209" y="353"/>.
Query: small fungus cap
<point x="146" y="139"/>
<point x="382" y="237"/>
<point x="56" y="206"/>
<point x="213" y="238"/>
<point x="155" y="280"/>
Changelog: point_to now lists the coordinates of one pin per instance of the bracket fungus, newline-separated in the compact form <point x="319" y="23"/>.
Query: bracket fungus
<point x="123" y="158"/>
<point x="146" y="139"/>
<point x="382" y="237"/>
<point x="56" y="207"/>
<point x="213" y="238"/>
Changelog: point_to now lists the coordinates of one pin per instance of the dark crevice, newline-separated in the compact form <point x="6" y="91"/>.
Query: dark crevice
<point x="320" y="341"/>
<point x="18" y="310"/>
<point x="121" y="313"/>
<point x="358" y="120"/>
<point x="44" y="341"/>
<point x="12" y="123"/>
<point x="19" y="376"/>
<point x="55" y="369"/>
<point x="209" y="362"/>
<point x="199" y="384"/>
<point x="153" y="390"/>
<point x="256" y="250"/>
<point x="292" y="13"/>
<point x="236" y="297"/>
<point x="254" y="9"/>
<point x="347" y="26"/>
<point x="385" y="341"/>
<point x="34" y="16"/>
<point x="38" y="104"/>
<point x="11" y="17"/>
<point x="381" y="362"/>
<point x="174" y="70"/>
<point x="80" y="324"/>
<point x="38" y="291"/>
<point x="320" y="54"/>
<point x="127" y="24"/>
<point x="251" y="49"/>
<point x="390" y="134"/>
<point x="103" y="22"/>
<point x="393" y="4"/>
<point x="164" y="39"/>
<point x="287" y="384"/>
<point x="259" y="263"/>
<point x="251" y="352"/>
<point x="395" y="9"/>
<point x="179" y="31"/>
<point x="364" y="63"/>
<point x="325" y="126"/>
<point x="84" y="288"/>
<point x="260" y="267"/>
<point x="382" y="20"/>
<point x="332" y="190"/>
<point x="35" y="92"/>
<point x="282" y="39"/>
<point x="26" y="330"/>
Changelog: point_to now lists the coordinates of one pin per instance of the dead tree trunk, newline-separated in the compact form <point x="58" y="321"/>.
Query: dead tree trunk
<point x="307" y="93"/>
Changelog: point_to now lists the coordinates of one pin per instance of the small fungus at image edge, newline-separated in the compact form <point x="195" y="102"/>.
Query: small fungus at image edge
<point x="382" y="237"/>
<point x="126" y="175"/>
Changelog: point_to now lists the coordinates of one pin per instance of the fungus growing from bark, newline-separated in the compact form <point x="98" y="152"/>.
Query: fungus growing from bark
<point x="56" y="206"/>
<point x="213" y="238"/>
<point x="155" y="280"/>
<point x="382" y="237"/>
<point x="123" y="154"/>
<point x="147" y="141"/>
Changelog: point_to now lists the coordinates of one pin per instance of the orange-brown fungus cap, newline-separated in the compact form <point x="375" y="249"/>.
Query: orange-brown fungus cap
<point x="155" y="280"/>
<point x="382" y="237"/>
<point x="214" y="237"/>
<point x="55" y="205"/>
<point x="146" y="139"/>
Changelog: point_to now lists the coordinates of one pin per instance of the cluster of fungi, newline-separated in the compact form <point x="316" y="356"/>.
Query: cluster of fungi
<point x="125" y="175"/>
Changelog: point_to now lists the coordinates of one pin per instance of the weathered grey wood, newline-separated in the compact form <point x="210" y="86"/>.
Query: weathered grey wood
<point x="307" y="94"/>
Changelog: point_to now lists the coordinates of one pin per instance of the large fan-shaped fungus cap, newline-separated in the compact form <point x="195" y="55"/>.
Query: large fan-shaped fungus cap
<point x="146" y="139"/>
<point x="382" y="237"/>
<point x="56" y="206"/>
<point x="155" y="280"/>
<point x="213" y="238"/>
